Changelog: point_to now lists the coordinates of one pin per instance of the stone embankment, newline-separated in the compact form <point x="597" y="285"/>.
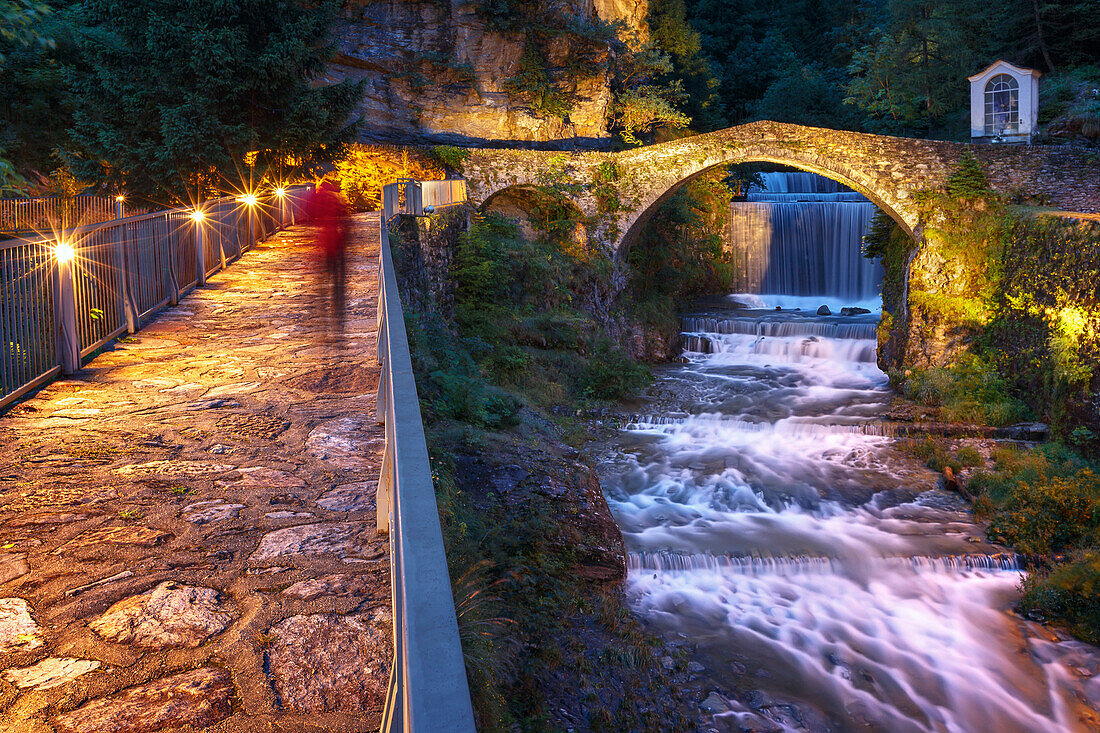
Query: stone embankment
<point x="187" y="525"/>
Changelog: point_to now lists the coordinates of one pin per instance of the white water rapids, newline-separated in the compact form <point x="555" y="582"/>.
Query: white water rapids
<point x="791" y="552"/>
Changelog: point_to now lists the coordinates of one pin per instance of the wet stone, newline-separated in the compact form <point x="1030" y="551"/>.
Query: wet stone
<point x="287" y="515"/>
<point x="342" y="442"/>
<point x="174" y="468"/>
<point x="55" y="518"/>
<point x="18" y="631"/>
<point x="169" y="615"/>
<point x="198" y="698"/>
<point x="262" y="477"/>
<point x="50" y="673"/>
<point x="313" y="539"/>
<point x="99" y="539"/>
<point x="340" y="584"/>
<point x="12" y="566"/>
<point x="204" y="512"/>
<point x="355" y="497"/>
<point x="264" y="427"/>
<point x="332" y="663"/>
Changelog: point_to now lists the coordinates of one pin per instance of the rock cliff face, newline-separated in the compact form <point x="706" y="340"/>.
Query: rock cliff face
<point x="437" y="71"/>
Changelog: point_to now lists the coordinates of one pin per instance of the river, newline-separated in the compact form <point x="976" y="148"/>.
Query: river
<point x="816" y="580"/>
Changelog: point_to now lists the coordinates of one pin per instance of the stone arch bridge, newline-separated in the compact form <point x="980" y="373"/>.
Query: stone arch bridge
<point x="887" y="170"/>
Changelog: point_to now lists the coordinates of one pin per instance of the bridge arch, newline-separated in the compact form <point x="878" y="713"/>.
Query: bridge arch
<point x="906" y="216"/>
<point x="533" y="208"/>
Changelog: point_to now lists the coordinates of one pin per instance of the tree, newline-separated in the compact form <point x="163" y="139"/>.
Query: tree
<point x="646" y="96"/>
<point x="670" y="31"/>
<point x="171" y="98"/>
<point x="21" y="35"/>
<point x="912" y="72"/>
<point x="19" y="21"/>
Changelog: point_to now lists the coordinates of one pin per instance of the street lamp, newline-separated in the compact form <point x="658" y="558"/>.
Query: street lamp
<point x="64" y="252"/>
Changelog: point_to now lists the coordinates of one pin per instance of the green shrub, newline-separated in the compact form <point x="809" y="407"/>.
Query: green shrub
<point x="471" y="400"/>
<point x="1041" y="501"/>
<point x="937" y="456"/>
<point x="1045" y="502"/>
<point x="449" y="156"/>
<point x="610" y="374"/>
<point x="971" y="390"/>
<point x="1071" y="592"/>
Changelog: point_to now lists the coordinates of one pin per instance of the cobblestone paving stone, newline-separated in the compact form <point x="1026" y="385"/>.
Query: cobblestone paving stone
<point x="187" y="525"/>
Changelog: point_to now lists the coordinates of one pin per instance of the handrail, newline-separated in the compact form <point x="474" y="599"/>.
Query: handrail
<point x="19" y="215"/>
<point x="428" y="690"/>
<point x="65" y="294"/>
<point x="419" y="198"/>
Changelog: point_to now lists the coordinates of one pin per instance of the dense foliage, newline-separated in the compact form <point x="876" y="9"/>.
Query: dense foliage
<point x="1046" y="503"/>
<point x="165" y="100"/>
<point x="680" y="255"/>
<point x="893" y="66"/>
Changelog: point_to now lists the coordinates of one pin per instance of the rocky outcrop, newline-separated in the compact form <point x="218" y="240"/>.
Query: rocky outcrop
<point x="555" y="480"/>
<point x="438" y="72"/>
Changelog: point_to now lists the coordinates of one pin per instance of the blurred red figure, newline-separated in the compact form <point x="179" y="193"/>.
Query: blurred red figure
<point x="329" y="213"/>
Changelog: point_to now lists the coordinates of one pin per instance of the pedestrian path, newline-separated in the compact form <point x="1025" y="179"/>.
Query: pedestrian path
<point x="187" y="526"/>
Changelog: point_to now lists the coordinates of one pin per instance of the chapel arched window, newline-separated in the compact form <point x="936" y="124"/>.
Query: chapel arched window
<point x="1002" y="105"/>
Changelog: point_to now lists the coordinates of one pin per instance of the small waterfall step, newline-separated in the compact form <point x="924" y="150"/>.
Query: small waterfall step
<point x="807" y="564"/>
<point x="835" y="329"/>
<point x="802" y="235"/>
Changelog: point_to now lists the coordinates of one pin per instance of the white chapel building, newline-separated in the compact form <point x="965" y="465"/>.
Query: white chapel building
<point x="1004" y="104"/>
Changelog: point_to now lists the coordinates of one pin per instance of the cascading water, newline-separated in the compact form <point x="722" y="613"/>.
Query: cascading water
<point x="817" y="585"/>
<point x="801" y="237"/>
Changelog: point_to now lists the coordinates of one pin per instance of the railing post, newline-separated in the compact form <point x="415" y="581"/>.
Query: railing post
<point x="168" y="261"/>
<point x="200" y="248"/>
<point x="383" y="496"/>
<point x="221" y="239"/>
<point x="68" y="341"/>
<point x="129" y="305"/>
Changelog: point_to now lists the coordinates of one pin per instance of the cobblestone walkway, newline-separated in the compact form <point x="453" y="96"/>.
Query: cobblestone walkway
<point x="187" y="526"/>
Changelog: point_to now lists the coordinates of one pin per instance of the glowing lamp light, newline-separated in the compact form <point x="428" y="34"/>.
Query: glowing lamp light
<point x="120" y="197"/>
<point x="280" y="192"/>
<point x="250" y="199"/>
<point x="64" y="252"/>
<point x="197" y="216"/>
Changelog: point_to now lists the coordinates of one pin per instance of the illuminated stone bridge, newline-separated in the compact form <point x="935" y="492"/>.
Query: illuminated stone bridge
<point x="887" y="170"/>
<point x="890" y="171"/>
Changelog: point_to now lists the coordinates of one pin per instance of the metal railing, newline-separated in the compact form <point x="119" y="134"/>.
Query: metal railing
<point x="428" y="691"/>
<point x="419" y="198"/>
<point x="22" y="215"/>
<point x="64" y="295"/>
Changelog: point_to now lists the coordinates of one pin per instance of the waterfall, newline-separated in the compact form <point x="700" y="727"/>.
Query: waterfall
<point x="803" y="236"/>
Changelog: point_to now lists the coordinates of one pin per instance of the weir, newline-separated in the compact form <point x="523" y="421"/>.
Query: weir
<point x="801" y="235"/>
